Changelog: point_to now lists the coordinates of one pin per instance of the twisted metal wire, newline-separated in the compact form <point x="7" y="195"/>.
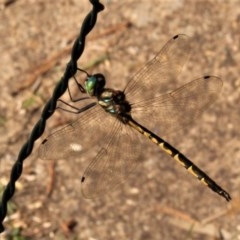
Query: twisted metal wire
<point x="38" y="129"/>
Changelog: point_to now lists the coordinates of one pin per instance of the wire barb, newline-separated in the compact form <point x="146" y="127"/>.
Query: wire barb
<point x="38" y="129"/>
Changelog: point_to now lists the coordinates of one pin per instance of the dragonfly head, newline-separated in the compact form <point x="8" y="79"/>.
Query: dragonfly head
<point x="94" y="84"/>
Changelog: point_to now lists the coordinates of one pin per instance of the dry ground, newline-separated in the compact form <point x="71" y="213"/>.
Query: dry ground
<point x="160" y="200"/>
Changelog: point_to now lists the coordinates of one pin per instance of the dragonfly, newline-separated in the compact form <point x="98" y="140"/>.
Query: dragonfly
<point x="117" y="120"/>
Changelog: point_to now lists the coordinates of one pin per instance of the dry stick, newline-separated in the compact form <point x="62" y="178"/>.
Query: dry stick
<point x="176" y="213"/>
<point x="49" y="63"/>
<point x="208" y="230"/>
<point x="232" y="209"/>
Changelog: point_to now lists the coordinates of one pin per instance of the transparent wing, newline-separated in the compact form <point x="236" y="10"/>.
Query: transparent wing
<point x="86" y="132"/>
<point x="113" y="163"/>
<point x="119" y="146"/>
<point x="172" y="111"/>
<point x="166" y="65"/>
<point x="168" y="112"/>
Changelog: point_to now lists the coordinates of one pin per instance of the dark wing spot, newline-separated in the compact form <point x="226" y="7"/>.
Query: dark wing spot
<point x="175" y="37"/>
<point x="83" y="179"/>
<point x="44" y="141"/>
<point x="206" y="77"/>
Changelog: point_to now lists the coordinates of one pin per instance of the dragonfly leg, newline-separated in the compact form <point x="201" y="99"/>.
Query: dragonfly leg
<point x="81" y="89"/>
<point x="75" y="109"/>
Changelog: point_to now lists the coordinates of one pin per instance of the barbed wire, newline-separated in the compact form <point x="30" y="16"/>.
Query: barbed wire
<point x="38" y="129"/>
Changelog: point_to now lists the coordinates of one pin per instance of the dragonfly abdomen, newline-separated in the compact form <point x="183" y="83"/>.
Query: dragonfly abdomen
<point x="180" y="158"/>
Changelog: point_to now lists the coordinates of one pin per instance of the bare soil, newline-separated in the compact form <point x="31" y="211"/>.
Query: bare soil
<point x="160" y="200"/>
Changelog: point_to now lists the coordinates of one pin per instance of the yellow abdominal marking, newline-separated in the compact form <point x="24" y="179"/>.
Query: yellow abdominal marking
<point x="146" y="134"/>
<point x="167" y="150"/>
<point x="154" y="140"/>
<point x="176" y="157"/>
<point x="203" y="181"/>
<point x="137" y="128"/>
<point x="190" y="169"/>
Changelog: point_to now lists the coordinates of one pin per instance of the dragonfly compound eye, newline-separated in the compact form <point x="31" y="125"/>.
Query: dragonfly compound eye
<point x="94" y="84"/>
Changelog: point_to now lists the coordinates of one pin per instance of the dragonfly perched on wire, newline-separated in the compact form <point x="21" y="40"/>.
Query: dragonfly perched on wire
<point x="114" y="119"/>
